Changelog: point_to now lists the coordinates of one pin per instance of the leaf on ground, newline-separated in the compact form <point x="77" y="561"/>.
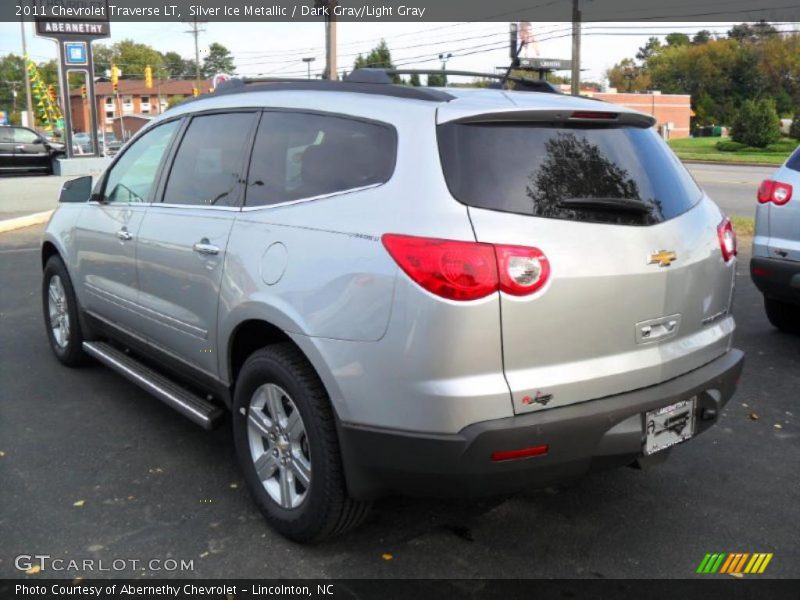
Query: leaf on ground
<point x="33" y="570"/>
<point x="234" y="486"/>
<point x="778" y="426"/>
<point x="386" y="556"/>
<point x="2" y="454"/>
<point x="79" y="503"/>
<point x="753" y="416"/>
<point x="737" y="575"/>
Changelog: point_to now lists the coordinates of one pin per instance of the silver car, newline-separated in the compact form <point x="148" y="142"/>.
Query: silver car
<point x="400" y="290"/>
<point x="775" y="266"/>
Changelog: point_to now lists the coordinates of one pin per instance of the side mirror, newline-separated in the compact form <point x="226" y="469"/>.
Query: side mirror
<point x="76" y="190"/>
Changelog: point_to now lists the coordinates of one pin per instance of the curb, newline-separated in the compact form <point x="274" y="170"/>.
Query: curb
<point x="26" y="221"/>
<point x="691" y="161"/>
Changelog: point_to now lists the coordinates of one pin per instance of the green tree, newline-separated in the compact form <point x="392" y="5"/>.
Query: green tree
<point x="794" y="130"/>
<point x="745" y="32"/>
<point x="175" y="100"/>
<point x="12" y="77"/>
<point x="650" y="49"/>
<point x="218" y="60"/>
<point x="437" y="80"/>
<point x="131" y="58"/>
<point x="380" y="57"/>
<point x="627" y="76"/>
<point x="176" y="67"/>
<point x="414" y="80"/>
<point x="757" y="124"/>
<point x="677" y="39"/>
<point x="701" y="37"/>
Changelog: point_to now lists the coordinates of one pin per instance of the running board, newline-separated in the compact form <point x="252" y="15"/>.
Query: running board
<point x="191" y="406"/>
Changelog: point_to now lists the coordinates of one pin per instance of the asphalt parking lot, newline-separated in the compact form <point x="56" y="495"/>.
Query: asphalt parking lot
<point x="91" y="467"/>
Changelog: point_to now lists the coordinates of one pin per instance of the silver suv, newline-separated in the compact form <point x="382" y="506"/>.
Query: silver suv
<point x="400" y="290"/>
<point x="775" y="266"/>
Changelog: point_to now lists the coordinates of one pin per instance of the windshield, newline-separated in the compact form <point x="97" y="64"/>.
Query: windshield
<point x="605" y="174"/>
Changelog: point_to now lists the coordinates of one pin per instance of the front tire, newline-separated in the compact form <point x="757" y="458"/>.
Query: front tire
<point x="286" y="443"/>
<point x="61" y="314"/>
<point x="783" y="315"/>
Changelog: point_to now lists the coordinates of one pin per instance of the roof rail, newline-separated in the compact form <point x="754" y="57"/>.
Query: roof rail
<point x="525" y="84"/>
<point x="276" y="84"/>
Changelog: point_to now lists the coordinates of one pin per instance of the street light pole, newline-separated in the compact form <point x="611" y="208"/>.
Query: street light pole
<point x="308" y="60"/>
<point x="31" y="122"/>
<point x="576" y="48"/>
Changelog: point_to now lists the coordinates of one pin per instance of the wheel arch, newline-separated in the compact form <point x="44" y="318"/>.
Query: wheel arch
<point x="253" y="333"/>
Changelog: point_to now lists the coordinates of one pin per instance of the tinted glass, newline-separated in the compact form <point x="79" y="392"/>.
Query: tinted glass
<point x="6" y="134"/>
<point x="621" y="175"/>
<point x="132" y="177"/>
<point x="300" y="155"/>
<point x="25" y="136"/>
<point x="794" y="160"/>
<point x="208" y="167"/>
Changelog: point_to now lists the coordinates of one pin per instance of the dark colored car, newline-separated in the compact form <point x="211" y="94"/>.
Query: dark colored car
<point x="23" y="149"/>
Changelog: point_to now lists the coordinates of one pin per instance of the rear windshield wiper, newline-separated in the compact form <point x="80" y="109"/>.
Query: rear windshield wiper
<point x="610" y="204"/>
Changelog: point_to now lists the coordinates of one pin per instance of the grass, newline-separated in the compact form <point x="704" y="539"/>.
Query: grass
<point x="706" y="149"/>
<point x="744" y="226"/>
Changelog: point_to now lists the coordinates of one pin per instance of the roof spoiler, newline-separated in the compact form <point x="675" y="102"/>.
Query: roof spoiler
<point x="582" y="116"/>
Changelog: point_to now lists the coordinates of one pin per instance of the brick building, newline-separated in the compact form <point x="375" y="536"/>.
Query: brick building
<point x="673" y="112"/>
<point x="133" y="98"/>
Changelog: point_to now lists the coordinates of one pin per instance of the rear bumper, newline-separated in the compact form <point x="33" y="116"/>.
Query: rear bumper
<point x="596" y="434"/>
<point x="778" y="279"/>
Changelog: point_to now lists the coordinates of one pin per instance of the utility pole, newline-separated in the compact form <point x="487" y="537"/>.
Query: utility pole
<point x="29" y="103"/>
<point x="196" y="31"/>
<point x="308" y="60"/>
<point x="330" y="42"/>
<point x="576" y="48"/>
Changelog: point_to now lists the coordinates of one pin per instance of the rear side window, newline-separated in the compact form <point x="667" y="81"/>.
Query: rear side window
<point x="794" y="160"/>
<point x="209" y="164"/>
<point x="302" y="155"/>
<point x="605" y="174"/>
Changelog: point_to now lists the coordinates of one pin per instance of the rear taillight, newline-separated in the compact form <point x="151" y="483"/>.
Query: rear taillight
<point x="468" y="270"/>
<point x="522" y="270"/>
<point x="727" y="239"/>
<point x="774" y="191"/>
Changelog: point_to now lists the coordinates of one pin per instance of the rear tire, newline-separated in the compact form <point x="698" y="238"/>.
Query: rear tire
<point x="783" y="315"/>
<point x="286" y="443"/>
<point x="61" y="314"/>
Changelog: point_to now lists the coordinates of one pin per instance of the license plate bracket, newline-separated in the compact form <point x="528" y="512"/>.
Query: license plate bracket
<point x="669" y="425"/>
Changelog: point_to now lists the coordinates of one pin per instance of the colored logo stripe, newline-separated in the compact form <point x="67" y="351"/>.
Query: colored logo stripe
<point x="734" y="562"/>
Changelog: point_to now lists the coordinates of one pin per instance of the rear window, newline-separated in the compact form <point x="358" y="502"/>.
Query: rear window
<point x="794" y="160"/>
<point x="603" y="174"/>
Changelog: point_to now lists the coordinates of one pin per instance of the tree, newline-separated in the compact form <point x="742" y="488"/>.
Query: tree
<point x="380" y="57"/>
<point x="414" y="80"/>
<point x="176" y="67"/>
<point x="794" y="130"/>
<point x="757" y="124"/>
<point x="744" y="32"/>
<point x="437" y="80"/>
<point x="218" y="60"/>
<point x="701" y="37"/>
<point x="627" y="76"/>
<point x="651" y="48"/>
<point x="131" y="57"/>
<point x="677" y="39"/>
<point x="175" y="100"/>
<point x="12" y="76"/>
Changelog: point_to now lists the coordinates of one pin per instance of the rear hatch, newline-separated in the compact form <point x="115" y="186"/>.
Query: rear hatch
<point x="784" y="219"/>
<point x="639" y="291"/>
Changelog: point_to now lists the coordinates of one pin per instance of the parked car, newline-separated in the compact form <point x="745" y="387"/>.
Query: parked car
<point x="775" y="266"/>
<point x="25" y="150"/>
<point x="400" y="290"/>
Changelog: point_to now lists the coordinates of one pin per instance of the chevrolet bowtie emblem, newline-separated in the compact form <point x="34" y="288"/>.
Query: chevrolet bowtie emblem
<point x="663" y="258"/>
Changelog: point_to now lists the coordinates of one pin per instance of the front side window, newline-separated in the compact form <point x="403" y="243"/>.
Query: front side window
<point x="794" y="160"/>
<point x="301" y="155"/>
<point x="25" y="136"/>
<point x="209" y="164"/>
<point x="132" y="177"/>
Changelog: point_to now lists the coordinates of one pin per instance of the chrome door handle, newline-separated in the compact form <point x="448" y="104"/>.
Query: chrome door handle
<point x="205" y="247"/>
<point x="124" y="235"/>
